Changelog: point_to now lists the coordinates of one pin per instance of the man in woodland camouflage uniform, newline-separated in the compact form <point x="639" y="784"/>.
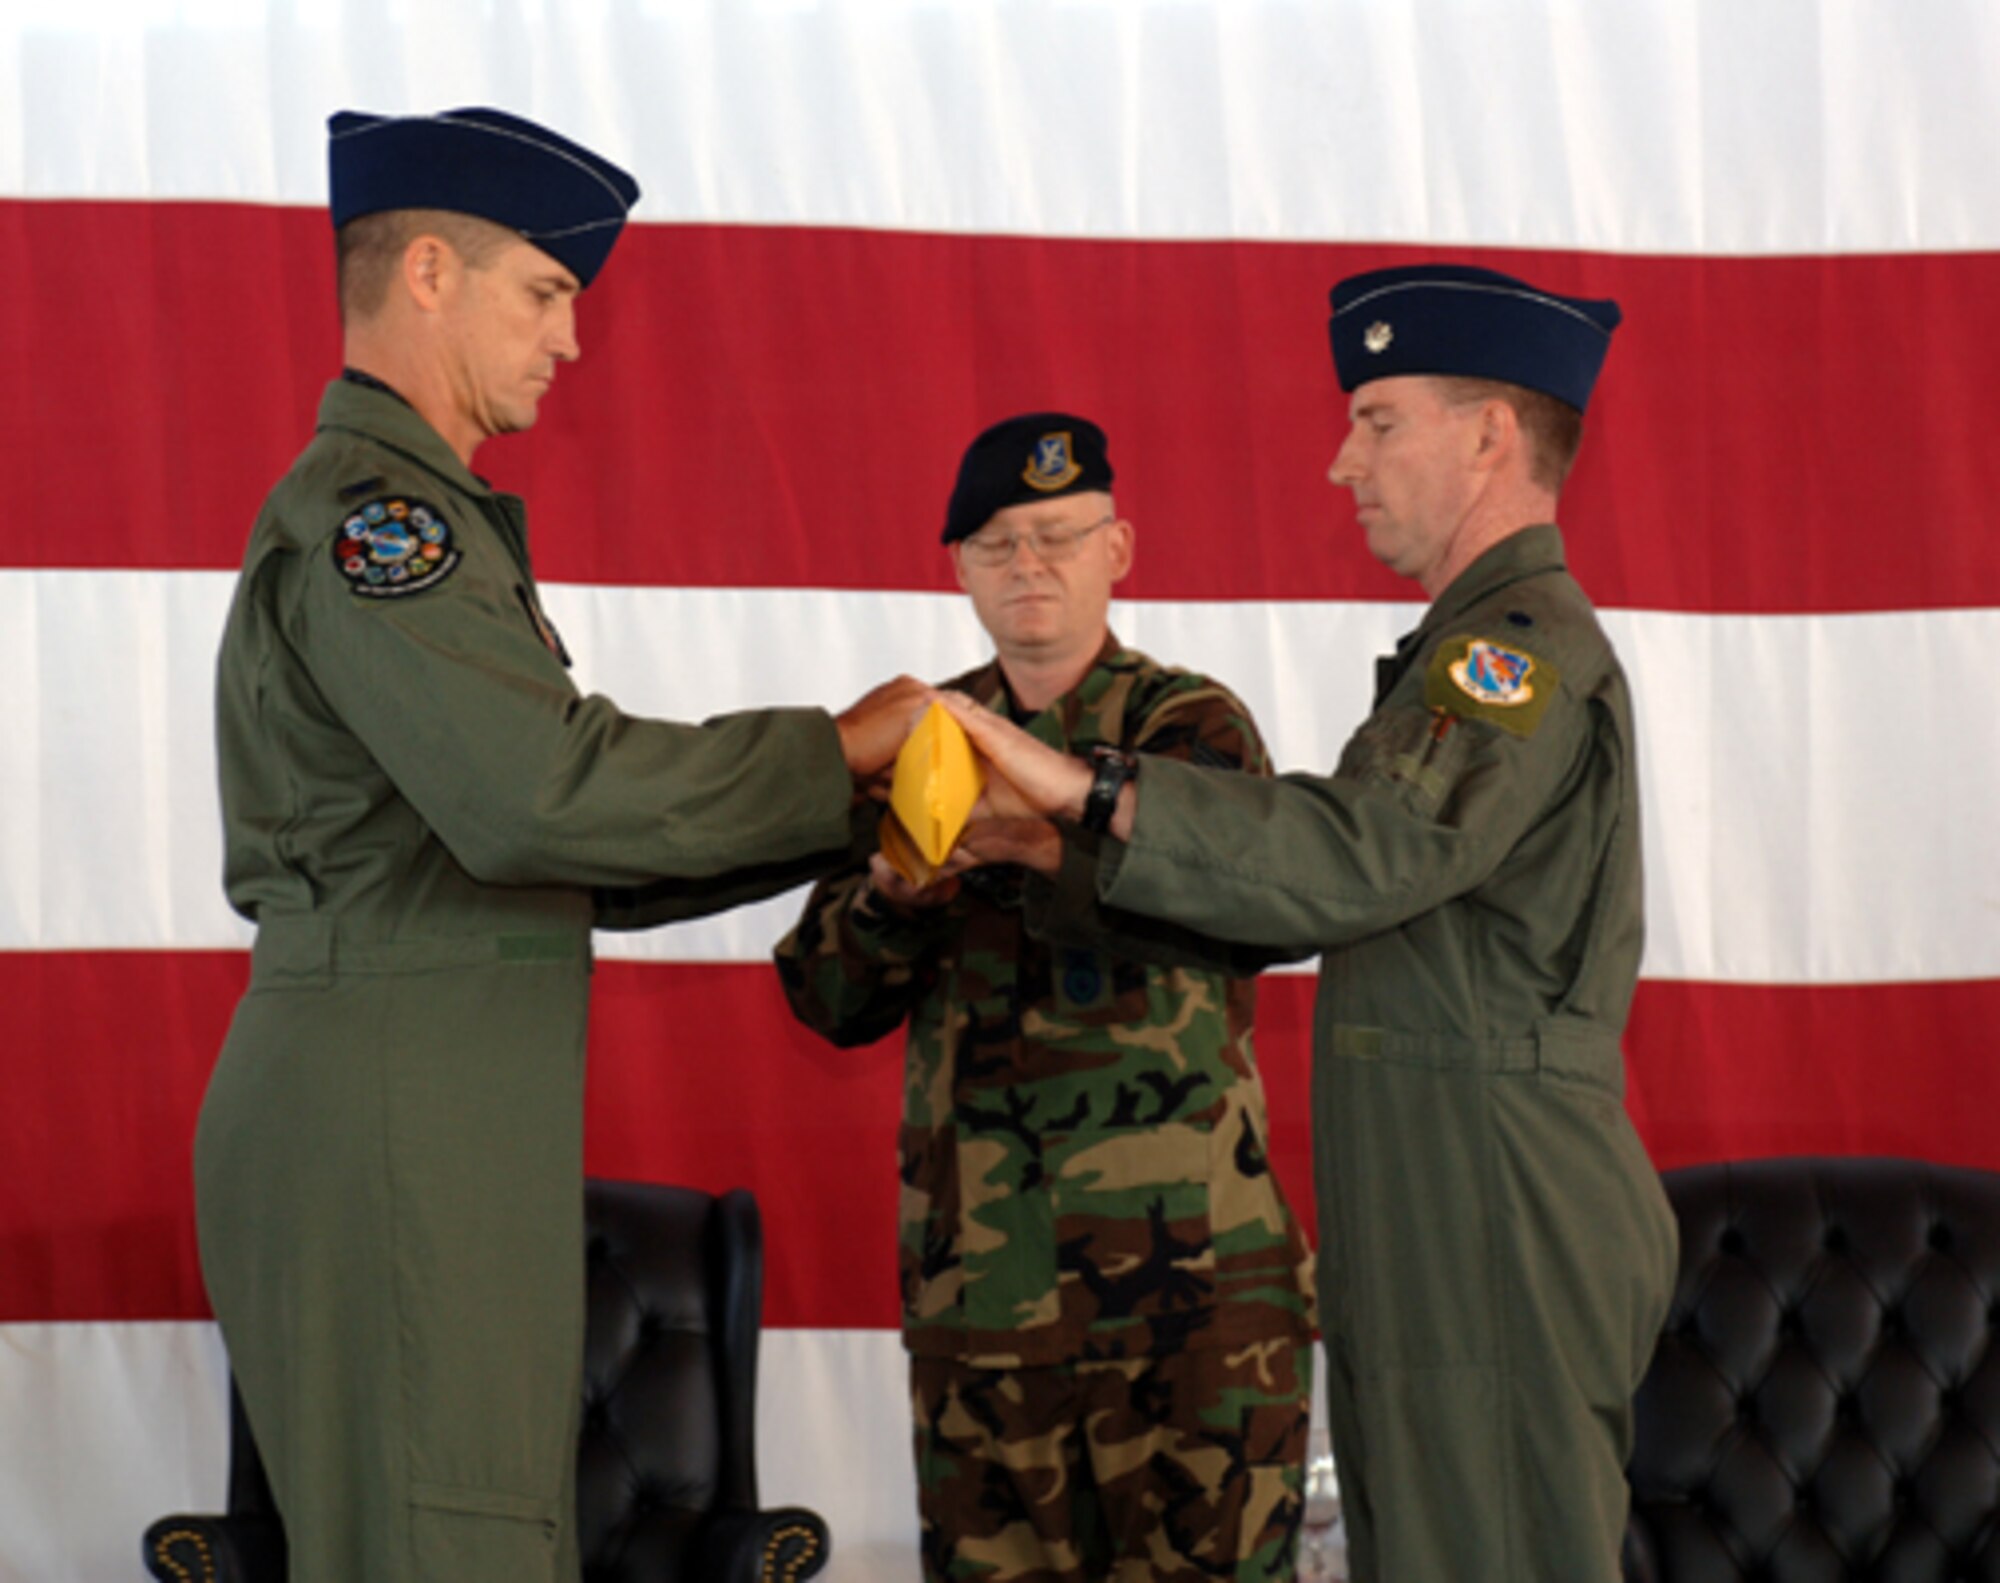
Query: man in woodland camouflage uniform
<point x="1105" y="1297"/>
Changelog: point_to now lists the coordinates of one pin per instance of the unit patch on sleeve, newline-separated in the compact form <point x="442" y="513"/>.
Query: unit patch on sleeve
<point x="1479" y="679"/>
<point x="394" y="545"/>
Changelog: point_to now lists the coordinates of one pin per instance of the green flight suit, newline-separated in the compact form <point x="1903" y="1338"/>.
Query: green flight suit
<point x="1496" y="1253"/>
<point x="424" y="818"/>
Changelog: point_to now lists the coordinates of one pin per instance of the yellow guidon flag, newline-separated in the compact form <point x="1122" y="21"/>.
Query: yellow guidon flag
<point x="937" y="781"/>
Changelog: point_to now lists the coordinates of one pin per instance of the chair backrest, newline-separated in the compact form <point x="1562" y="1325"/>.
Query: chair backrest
<point x="666" y="1476"/>
<point x="675" y="1289"/>
<point x="1825" y="1401"/>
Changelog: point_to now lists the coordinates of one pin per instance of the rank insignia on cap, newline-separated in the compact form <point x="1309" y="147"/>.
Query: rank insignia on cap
<point x="1053" y="466"/>
<point x="1482" y="680"/>
<point x="1377" y="336"/>
<point x="394" y="545"/>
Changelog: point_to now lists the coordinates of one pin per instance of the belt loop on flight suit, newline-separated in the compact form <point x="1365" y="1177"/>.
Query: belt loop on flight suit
<point x="295" y="951"/>
<point x="1588" y="1055"/>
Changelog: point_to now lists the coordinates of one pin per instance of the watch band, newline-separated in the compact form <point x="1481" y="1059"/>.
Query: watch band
<point x="1111" y="768"/>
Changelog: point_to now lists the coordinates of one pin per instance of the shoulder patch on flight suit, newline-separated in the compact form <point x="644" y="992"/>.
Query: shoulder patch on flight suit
<point x="1479" y="679"/>
<point x="394" y="545"/>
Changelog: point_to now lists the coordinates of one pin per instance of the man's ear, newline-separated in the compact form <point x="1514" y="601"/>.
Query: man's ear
<point x="1123" y="544"/>
<point x="1499" y="433"/>
<point x="428" y="264"/>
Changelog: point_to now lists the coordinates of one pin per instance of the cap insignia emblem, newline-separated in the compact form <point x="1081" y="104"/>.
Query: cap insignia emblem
<point x="1052" y="465"/>
<point x="1378" y="336"/>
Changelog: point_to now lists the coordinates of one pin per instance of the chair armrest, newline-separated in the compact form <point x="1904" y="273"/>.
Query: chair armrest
<point x="784" y="1545"/>
<point x="1639" y="1557"/>
<point x="193" y="1549"/>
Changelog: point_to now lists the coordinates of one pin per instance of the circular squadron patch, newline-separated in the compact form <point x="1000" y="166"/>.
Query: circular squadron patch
<point x="394" y="545"/>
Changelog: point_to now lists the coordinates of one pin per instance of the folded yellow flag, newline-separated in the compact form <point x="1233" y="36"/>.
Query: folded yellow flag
<point x="937" y="781"/>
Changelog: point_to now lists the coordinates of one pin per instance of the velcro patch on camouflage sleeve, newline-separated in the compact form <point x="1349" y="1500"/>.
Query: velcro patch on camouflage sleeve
<point x="1480" y="679"/>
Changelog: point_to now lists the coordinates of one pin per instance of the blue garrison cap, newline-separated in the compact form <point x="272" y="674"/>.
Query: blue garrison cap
<point x="1036" y="456"/>
<point x="1455" y="319"/>
<point x="569" y="202"/>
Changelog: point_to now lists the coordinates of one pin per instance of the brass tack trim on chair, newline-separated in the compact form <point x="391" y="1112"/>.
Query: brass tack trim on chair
<point x="789" y="1571"/>
<point x="200" y="1541"/>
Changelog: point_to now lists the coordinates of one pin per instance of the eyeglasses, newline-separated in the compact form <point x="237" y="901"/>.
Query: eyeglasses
<point x="1049" y="544"/>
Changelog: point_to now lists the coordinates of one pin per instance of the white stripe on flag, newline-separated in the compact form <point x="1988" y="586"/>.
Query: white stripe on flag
<point x="130" y="1423"/>
<point x="1652" y="126"/>
<point x="1804" y="776"/>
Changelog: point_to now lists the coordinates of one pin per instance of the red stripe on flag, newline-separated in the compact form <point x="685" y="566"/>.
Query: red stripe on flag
<point x="784" y="406"/>
<point x="699" y="1075"/>
<point x="1738" y="1071"/>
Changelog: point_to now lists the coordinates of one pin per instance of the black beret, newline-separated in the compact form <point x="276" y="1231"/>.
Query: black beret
<point x="1036" y="456"/>
<point x="569" y="202"/>
<point x="1455" y="319"/>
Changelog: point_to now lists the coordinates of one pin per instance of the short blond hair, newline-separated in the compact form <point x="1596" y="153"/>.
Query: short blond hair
<point x="368" y="250"/>
<point x="1553" y="427"/>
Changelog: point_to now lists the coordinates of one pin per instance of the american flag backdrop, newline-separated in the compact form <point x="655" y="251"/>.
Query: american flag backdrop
<point x="869" y="228"/>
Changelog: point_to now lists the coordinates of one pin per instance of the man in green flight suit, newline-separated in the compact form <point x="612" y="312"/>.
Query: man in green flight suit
<point x="425" y="819"/>
<point x="1105" y="1297"/>
<point x="1496" y="1251"/>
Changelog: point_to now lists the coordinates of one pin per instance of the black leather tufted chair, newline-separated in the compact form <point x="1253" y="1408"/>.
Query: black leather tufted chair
<point x="666" y="1475"/>
<point x="1825" y="1401"/>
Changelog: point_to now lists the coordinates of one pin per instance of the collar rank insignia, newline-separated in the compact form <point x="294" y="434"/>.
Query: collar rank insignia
<point x="1482" y="680"/>
<point x="394" y="545"/>
<point x="1378" y="336"/>
<point x="1053" y="463"/>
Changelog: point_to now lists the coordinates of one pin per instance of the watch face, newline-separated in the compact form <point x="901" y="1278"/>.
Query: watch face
<point x="1113" y="769"/>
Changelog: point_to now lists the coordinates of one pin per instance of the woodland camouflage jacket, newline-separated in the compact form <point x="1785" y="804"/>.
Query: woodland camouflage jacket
<point x="1083" y="1157"/>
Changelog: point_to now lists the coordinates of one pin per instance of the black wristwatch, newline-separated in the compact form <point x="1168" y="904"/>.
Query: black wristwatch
<point x="1110" y="769"/>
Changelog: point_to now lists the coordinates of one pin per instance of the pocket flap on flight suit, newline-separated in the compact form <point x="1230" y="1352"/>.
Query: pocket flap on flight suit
<point x="471" y="1501"/>
<point x="459" y="1532"/>
<point x="1418" y="754"/>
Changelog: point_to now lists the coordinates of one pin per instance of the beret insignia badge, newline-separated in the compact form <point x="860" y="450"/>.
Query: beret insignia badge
<point x="394" y="545"/>
<point x="1378" y="336"/>
<point x="1053" y="464"/>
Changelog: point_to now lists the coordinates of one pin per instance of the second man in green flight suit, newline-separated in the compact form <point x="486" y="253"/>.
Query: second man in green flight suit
<point x="1496" y="1253"/>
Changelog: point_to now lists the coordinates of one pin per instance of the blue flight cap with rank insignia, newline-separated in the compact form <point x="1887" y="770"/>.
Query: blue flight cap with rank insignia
<point x="1036" y="456"/>
<point x="1454" y="319"/>
<point x="569" y="202"/>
